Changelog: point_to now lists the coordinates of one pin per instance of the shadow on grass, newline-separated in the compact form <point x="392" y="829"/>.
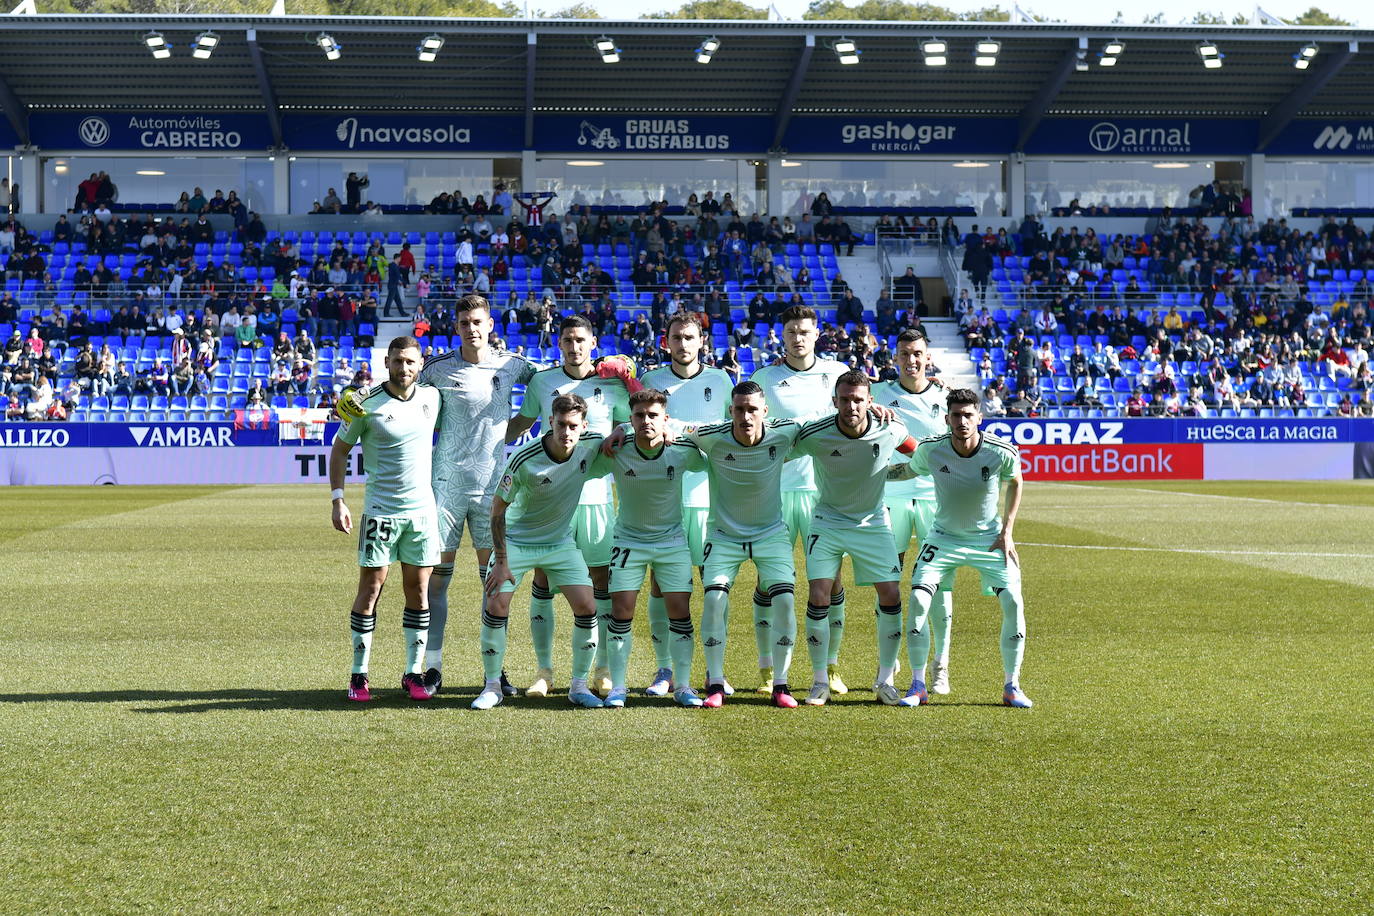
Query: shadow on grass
<point x="192" y="701"/>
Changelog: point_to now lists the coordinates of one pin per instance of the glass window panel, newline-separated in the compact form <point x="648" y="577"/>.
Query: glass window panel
<point x="877" y="183"/>
<point x="392" y="181"/>
<point x="1052" y="184"/>
<point x="1318" y="184"/>
<point x="161" y="181"/>
<point x="636" y="182"/>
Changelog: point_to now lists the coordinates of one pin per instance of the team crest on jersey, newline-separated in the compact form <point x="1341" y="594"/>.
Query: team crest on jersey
<point x="596" y="392"/>
<point x="582" y="465"/>
<point x="772" y="452"/>
<point x="706" y="395"/>
<point x="876" y="450"/>
<point x="986" y="472"/>
<point x="424" y="409"/>
<point x="671" y="472"/>
<point x="496" y="381"/>
<point x="934" y="410"/>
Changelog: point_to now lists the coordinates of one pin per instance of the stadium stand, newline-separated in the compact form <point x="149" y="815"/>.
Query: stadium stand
<point x="128" y="290"/>
<point x="1246" y="320"/>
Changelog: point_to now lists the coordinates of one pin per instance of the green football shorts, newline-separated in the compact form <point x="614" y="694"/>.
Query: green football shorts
<point x="771" y="556"/>
<point x="561" y="563"/>
<point x="870" y="550"/>
<point x="411" y="539"/>
<point x="631" y="561"/>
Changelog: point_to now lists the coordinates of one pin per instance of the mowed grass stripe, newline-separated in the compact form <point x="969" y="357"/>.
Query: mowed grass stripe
<point x="1199" y="744"/>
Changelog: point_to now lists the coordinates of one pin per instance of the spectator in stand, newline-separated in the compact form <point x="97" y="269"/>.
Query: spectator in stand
<point x="353" y="188"/>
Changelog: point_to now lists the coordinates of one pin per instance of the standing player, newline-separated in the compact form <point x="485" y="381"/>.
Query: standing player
<point x="607" y="400"/>
<point x="542" y="481"/>
<point x="649" y="476"/>
<point x="697" y="394"/>
<point x="968" y="468"/>
<point x="476" y="385"/>
<point x="851" y="452"/>
<point x="745" y="459"/>
<point x="920" y="402"/>
<point x="799" y="388"/>
<point x="395" y="423"/>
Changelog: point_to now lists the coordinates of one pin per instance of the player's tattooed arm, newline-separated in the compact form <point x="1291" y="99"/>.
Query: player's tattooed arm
<point x="901" y="471"/>
<point x="517" y="426"/>
<point x="500" y="568"/>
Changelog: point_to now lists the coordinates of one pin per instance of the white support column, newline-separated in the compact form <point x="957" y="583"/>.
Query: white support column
<point x="529" y="171"/>
<point x="281" y="184"/>
<point x="775" y="204"/>
<point x="1257" y="180"/>
<point x="1016" y="188"/>
<point x="30" y="182"/>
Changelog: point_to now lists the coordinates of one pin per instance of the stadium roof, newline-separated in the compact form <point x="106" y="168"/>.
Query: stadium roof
<point x="272" y="64"/>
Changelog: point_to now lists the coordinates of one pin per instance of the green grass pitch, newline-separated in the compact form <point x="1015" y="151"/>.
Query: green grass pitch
<point x="174" y="734"/>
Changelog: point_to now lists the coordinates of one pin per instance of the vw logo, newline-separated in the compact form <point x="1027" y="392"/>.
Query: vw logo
<point x="1104" y="137"/>
<point x="94" y="132"/>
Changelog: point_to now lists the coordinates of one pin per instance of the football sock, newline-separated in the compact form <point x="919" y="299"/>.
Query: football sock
<point x="918" y="632"/>
<point x="541" y="625"/>
<point x="603" y="621"/>
<point x="889" y="639"/>
<point x="713" y="631"/>
<point x="618" y="651"/>
<point x="583" y="646"/>
<point x="836" y="626"/>
<point x="763" y="634"/>
<point x="683" y="644"/>
<point x="1013" y="633"/>
<point x="818" y="638"/>
<point x="659" y="631"/>
<point x="361" y="627"/>
<point x="493" y="644"/>
<point x="415" y="626"/>
<point x="942" y="622"/>
<point x="785" y="629"/>
<point x="439" y="580"/>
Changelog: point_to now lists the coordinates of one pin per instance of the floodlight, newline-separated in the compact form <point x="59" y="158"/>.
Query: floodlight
<point x="331" y="48"/>
<point x="610" y="54"/>
<point x="428" y="51"/>
<point x="205" y="45"/>
<point x="157" y="45"/>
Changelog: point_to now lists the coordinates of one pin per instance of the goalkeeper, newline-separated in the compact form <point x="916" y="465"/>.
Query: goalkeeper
<point x="606" y="387"/>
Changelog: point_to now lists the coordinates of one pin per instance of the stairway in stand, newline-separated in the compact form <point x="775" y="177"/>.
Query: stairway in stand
<point x="948" y="353"/>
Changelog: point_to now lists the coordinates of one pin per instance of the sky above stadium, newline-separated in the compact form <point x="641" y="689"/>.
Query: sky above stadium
<point x="1066" y="10"/>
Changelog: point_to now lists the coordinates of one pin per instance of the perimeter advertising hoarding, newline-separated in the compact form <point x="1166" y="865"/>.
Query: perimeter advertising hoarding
<point x="1098" y="449"/>
<point x="652" y="134"/>
<point x="404" y="132"/>
<point x="900" y="135"/>
<point x="156" y="131"/>
<point x="1150" y="138"/>
<point x="1324" y="137"/>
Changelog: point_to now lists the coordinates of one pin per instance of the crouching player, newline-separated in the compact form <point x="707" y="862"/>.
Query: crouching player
<point x="968" y="468"/>
<point x="395" y="423"/>
<point x="649" y="533"/>
<point x="542" y="482"/>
